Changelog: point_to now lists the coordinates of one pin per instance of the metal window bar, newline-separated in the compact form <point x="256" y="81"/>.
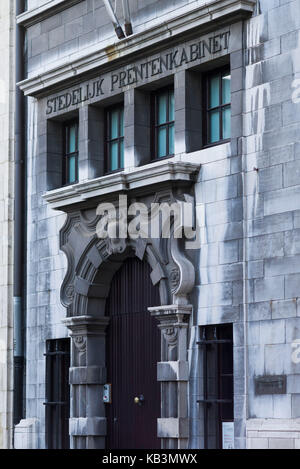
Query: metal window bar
<point x="50" y="354"/>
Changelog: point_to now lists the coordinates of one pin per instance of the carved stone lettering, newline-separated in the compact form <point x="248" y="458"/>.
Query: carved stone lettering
<point x="138" y="72"/>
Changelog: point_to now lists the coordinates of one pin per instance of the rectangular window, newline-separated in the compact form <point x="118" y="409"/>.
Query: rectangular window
<point x="115" y="138"/>
<point x="57" y="393"/>
<point x="217" y="119"/>
<point x="216" y="344"/>
<point x="163" y="123"/>
<point x="70" y="164"/>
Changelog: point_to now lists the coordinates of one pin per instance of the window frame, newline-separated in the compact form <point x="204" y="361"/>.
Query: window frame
<point x="206" y="110"/>
<point x="67" y="156"/>
<point x="155" y="126"/>
<point x="108" y="140"/>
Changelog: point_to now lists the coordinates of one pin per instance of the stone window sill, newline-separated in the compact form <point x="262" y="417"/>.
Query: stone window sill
<point x="141" y="179"/>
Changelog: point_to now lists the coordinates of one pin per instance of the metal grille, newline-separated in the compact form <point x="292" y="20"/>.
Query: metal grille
<point x="217" y="351"/>
<point x="57" y="393"/>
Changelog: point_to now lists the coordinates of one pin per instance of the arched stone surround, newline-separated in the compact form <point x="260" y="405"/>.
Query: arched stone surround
<point x="92" y="263"/>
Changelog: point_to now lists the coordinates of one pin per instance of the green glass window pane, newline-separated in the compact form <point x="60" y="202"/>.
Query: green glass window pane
<point x="114" y="124"/>
<point x="226" y="123"/>
<point x="214" y="121"/>
<point x="226" y="94"/>
<point x="214" y="98"/>
<point x="122" y="153"/>
<point x="162" y="142"/>
<point x="162" y="108"/>
<point x="72" y="169"/>
<point x="72" y="139"/>
<point x="122" y="122"/>
<point x="171" y="106"/>
<point x="114" y="164"/>
<point x="171" y="140"/>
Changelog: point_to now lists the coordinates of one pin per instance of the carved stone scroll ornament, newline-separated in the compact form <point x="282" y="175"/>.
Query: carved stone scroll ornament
<point x="69" y="290"/>
<point x="80" y="343"/>
<point x="174" y="279"/>
<point x="182" y="273"/>
<point x="182" y="278"/>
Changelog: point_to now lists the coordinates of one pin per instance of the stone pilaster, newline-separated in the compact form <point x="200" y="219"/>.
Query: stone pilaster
<point x="87" y="377"/>
<point x="173" y="374"/>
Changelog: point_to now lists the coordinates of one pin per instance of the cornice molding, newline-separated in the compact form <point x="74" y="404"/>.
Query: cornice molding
<point x="138" y="179"/>
<point x="52" y="7"/>
<point x="219" y="12"/>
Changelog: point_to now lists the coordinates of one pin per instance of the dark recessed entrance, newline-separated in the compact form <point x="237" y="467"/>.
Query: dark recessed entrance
<point x="133" y="350"/>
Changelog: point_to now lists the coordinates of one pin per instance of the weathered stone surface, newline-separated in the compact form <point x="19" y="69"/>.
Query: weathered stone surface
<point x="247" y="197"/>
<point x="7" y="29"/>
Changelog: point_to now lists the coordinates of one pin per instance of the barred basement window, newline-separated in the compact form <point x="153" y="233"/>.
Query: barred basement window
<point x="216" y="346"/>
<point x="70" y="157"/>
<point x="115" y="138"/>
<point x="163" y="120"/>
<point x="217" y="119"/>
<point x="57" y="393"/>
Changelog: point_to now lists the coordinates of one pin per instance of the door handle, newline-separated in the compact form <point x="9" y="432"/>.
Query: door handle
<point x="139" y="400"/>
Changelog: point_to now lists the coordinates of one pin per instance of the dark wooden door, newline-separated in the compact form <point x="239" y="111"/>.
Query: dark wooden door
<point x="133" y="350"/>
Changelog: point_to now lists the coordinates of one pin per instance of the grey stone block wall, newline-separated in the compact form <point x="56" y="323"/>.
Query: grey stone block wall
<point x="247" y="205"/>
<point x="271" y="132"/>
<point x="7" y="14"/>
<point x="86" y="25"/>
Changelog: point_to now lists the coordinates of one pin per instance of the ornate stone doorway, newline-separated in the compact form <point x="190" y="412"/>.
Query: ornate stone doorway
<point x="92" y="264"/>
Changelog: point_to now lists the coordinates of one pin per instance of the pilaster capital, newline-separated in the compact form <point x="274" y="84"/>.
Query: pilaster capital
<point x="172" y="319"/>
<point x="172" y="315"/>
<point x="84" y="326"/>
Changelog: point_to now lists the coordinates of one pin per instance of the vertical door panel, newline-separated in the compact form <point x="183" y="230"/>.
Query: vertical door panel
<point x="133" y="350"/>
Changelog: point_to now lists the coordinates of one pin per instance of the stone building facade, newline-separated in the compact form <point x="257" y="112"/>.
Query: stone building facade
<point x="199" y="106"/>
<point x="7" y="86"/>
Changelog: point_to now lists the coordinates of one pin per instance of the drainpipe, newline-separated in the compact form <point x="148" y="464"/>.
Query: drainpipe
<point x="19" y="227"/>
<point x="114" y="19"/>
<point x="127" y="17"/>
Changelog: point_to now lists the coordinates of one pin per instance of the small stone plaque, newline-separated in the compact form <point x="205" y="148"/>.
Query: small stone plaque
<point x="270" y="385"/>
